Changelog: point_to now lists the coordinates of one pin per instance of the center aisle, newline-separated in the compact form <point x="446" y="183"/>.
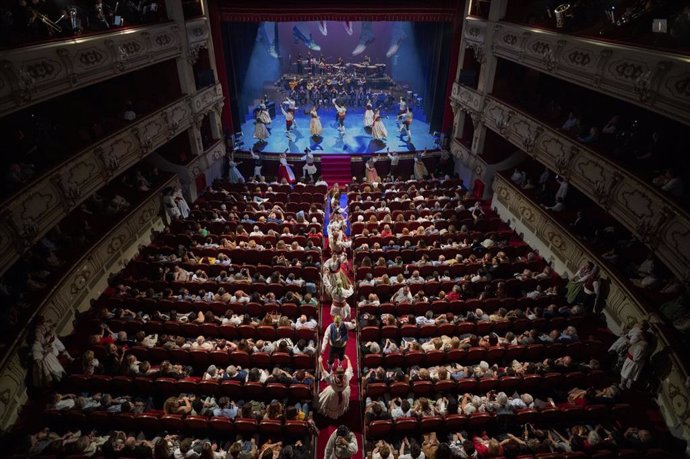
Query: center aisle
<point x="353" y="418"/>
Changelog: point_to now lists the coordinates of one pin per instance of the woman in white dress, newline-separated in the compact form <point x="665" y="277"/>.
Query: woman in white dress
<point x="372" y="175"/>
<point x="171" y="207"/>
<point x="315" y="127"/>
<point x="263" y="119"/>
<point x="234" y="175"/>
<point x="420" y="170"/>
<point x="334" y="278"/>
<point x="181" y="203"/>
<point x="47" y="369"/>
<point x="334" y="400"/>
<point x="378" y="130"/>
<point x="368" y="116"/>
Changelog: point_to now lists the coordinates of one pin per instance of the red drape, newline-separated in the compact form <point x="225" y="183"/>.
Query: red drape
<point x="214" y="17"/>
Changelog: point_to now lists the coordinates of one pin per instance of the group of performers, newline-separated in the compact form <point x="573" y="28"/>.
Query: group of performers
<point x="372" y="121"/>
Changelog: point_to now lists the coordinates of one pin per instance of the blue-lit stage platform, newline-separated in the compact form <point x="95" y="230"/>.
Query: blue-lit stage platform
<point x="355" y="141"/>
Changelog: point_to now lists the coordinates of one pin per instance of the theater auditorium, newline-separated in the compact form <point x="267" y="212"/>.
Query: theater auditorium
<point x="331" y="229"/>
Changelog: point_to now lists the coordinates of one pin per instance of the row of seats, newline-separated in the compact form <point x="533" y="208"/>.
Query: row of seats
<point x="254" y="309"/>
<point x="159" y="422"/>
<point x="253" y="257"/>
<point x="508" y="384"/>
<point x="565" y="414"/>
<point x="531" y="352"/>
<point x="488" y="305"/>
<point x="263" y="332"/>
<point x="376" y="333"/>
<point x="415" y="254"/>
<point x="168" y="386"/>
<point x="199" y="357"/>
<point x="276" y="187"/>
<point x="174" y="239"/>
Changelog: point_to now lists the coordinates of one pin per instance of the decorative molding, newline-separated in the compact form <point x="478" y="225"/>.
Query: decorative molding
<point x="85" y="280"/>
<point x="32" y="212"/>
<point x="636" y="204"/>
<point x="197" y="37"/>
<point x="622" y="305"/>
<point x="36" y="73"/>
<point x="656" y="80"/>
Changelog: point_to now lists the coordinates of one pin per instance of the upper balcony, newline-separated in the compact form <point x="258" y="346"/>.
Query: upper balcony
<point x="661" y="24"/>
<point x="656" y="80"/>
<point x="29" y="215"/>
<point x="36" y="73"/>
<point x="641" y="208"/>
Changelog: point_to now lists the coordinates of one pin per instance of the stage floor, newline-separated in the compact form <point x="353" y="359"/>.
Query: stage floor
<point x="355" y="140"/>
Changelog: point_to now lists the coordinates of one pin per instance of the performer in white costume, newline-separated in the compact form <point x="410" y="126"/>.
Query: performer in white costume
<point x="372" y="176"/>
<point x="315" y="127"/>
<point x="368" y="116"/>
<point x="342" y="111"/>
<point x="284" y="170"/>
<point x="263" y="119"/>
<point x="235" y="176"/>
<point x="378" y="130"/>
<point x="406" y="125"/>
<point x="309" y="168"/>
<point x="334" y="400"/>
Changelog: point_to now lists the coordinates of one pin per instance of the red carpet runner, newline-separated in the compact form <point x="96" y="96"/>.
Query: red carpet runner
<point x="353" y="417"/>
<point x="336" y="168"/>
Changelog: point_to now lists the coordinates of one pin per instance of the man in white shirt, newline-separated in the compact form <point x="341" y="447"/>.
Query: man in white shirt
<point x="395" y="160"/>
<point x="342" y="444"/>
<point x="303" y="322"/>
<point x="403" y="295"/>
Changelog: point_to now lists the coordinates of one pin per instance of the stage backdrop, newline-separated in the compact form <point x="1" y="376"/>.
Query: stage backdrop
<point x="257" y="54"/>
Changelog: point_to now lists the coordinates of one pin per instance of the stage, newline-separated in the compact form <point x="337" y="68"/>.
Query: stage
<point x="355" y="141"/>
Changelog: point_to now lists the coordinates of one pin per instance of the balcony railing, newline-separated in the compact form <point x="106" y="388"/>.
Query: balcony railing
<point x="36" y="73"/>
<point x="649" y="215"/>
<point x="85" y="279"/>
<point x="198" y="34"/>
<point x="622" y="304"/>
<point x="658" y="81"/>
<point x="41" y="205"/>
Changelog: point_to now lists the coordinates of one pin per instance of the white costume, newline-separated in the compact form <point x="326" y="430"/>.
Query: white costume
<point x="315" y="127"/>
<point x="309" y="167"/>
<point x="420" y="170"/>
<point x="47" y="369"/>
<point x="634" y="363"/>
<point x="263" y="118"/>
<point x="258" y="163"/>
<point x="378" y="130"/>
<point x="234" y="175"/>
<point x="171" y="206"/>
<point x="181" y="203"/>
<point x="368" y="117"/>
<point x="624" y="341"/>
<point x="334" y="400"/>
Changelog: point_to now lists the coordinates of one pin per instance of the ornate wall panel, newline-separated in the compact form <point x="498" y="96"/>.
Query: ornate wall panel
<point x="34" y="211"/>
<point x="473" y="34"/>
<point x="84" y="280"/>
<point x="197" y="36"/>
<point x="621" y="304"/>
<point x="33" y="74"/>
<point x="639" y="206"/>
<point x="655" y="80"/>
